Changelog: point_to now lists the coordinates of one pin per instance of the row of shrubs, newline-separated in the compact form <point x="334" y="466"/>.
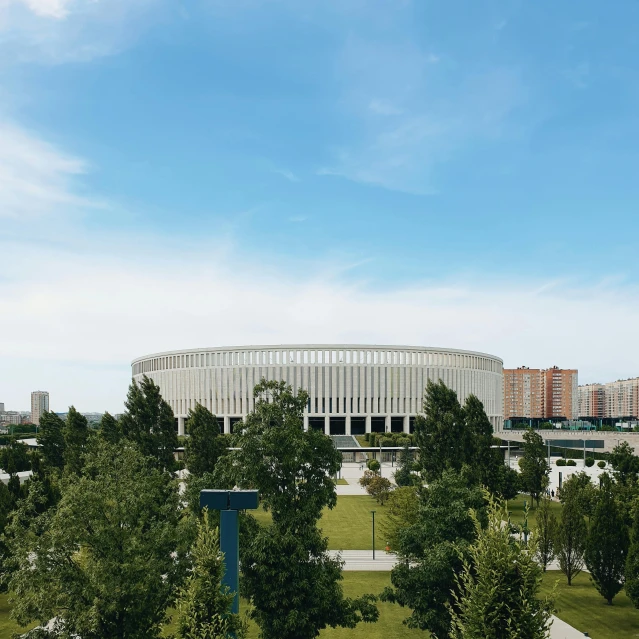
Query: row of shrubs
<point x="589" y="462"/>
<point x="388" y="439"/>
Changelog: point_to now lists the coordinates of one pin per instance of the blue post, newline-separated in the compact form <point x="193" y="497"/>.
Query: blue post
<point x="228" y="502"/>
<point x="230" y="546"/>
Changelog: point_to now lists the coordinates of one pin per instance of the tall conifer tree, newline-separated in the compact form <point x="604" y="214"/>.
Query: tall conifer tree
<point x="607" y="545"/>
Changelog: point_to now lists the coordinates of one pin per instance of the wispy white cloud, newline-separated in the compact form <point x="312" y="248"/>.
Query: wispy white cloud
<point x="297" y="218"/>
<point x="36" y="178"/>
<point x="383" y="107"/>
<point x="289" y="175"/>
<point x="95" y="310"/>
<point x="431" y="114"/>
<point x="58" y="31"/>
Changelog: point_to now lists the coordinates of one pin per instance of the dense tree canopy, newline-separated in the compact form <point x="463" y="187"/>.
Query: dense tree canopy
<point x="534" y="465"/>
<point x="498" y="590"/>
<point x="204" y="445"/>
<point x="288" y="575"/>
<point x="149" y="422"/>
<point x="105" y="561"/>
<point x="76" y="433"/>
<point x="51" y="439"/>
<point x="433" y="548"/>
<point x="607" y="545"/>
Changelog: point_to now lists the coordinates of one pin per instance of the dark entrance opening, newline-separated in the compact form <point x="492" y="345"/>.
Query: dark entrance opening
<point x="411" y="425"/>
<point x="220" y="424"/>
<point x="338" y="426"/>
<point x="378" y="424"/>
<point x="358" y="425"/>
<point x="317" y="423"/>
<point x="234" y="421"/>
<point x="397" y="424"/>
<point x="176" y="425"/>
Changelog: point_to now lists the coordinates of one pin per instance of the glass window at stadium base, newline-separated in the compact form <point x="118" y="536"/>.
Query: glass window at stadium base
<point x="354" y="389"/>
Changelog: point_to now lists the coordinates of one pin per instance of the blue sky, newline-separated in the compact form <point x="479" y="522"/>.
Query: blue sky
<point x="213" y="172"/>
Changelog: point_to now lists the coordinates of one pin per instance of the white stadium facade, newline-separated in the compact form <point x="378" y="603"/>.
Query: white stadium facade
<point x="353" y="388"/>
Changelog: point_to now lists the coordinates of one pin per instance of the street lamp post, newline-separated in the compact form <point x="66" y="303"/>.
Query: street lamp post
<point x="373" y="513"/>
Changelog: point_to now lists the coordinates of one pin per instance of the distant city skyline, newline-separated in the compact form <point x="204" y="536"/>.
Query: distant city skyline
<point x="209" y="174"/>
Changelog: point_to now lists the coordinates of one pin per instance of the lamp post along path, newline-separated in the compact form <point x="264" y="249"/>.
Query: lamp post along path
<point x="229" y="502"/>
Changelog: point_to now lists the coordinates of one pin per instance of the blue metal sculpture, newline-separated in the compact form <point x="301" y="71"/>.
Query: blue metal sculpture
<point x="229" y="502"/>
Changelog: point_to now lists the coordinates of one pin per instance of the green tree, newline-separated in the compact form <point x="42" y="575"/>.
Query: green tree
<point x="632" y="563"/>
<point x="105" y="560"/>
<point x="624" y="463"/>
<point x="76" y="433"/>
<point x="379" y="488"/>
<point x="110" y="430"/>
<point x="204" y="445"/>
<point x="203" y="606"/>
<point x="14" y="458"/>
<point x="570" y="542"/>
<point x="498" y="590"/>
<point x="440" y="433"/>
<point x="607" y="544"/>
<point x="579" y="489"/>
<point x="402" y="509"/>
<point x="545" y="534"/>
<point x="432" y="551"/>
<point x="403" y="475"/>
<point x="51" y="439"/>
<point x="533" y="465"/>
<point x="289" y="576"/>
<point x="149" y="422"/>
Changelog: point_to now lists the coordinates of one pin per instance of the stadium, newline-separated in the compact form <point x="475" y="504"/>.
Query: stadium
<point x="354" y="389"/>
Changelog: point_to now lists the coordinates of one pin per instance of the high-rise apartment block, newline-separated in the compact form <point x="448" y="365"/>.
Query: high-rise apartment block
<point x="39" y="405"/>
<point x="614" y="399"/>
<point x="540" y="393"/>
<point x="522" y="392"/>
<point x="1" y="407"/>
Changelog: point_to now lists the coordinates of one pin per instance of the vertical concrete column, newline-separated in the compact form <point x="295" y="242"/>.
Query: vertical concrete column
<point x="406" y="423"/>
<point x="348" y="423"/>
<point x="305" y="422"/>
<point x="227" y="424"/>
<point x="180" y="426"/>
<point x="368" y="423"/>
<point x="327" y="424"/>
<point x="387" y="424"/>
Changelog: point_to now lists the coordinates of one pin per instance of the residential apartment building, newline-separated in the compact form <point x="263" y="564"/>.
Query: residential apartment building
<point x="617" y="399"/>
<point x="561" y="394"/>
<point x="522" y="392"/>
<point x="541" y="393"/>
<point x="592" y="401"/>
<point x="1" y="407"/>
<point x="39" y="405"/>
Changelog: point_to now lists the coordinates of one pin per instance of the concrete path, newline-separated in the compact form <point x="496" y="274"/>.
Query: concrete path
<point x="363" y="560"/>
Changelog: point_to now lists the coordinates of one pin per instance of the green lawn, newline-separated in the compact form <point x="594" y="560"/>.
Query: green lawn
<point x="349" y="526"/>
<point x="516" y="510"/>
<point x="7" y="626"/>
<point x="341" y="482"/>
<point x="583" y="607"/>
<point x="356" y="584"/>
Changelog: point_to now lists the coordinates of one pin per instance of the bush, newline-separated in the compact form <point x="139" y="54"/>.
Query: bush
<point x="402" y="441"/>
<point x="373" y="465"/>
<point x="366" y="478"/>
<point x="367" y="437"/>
<point x="601" y="464"/>
<point x="386" y="441"/>
<point x="379" y="488"/>
<point x="560" y="462"/>
<point x="571" y="462"/>
<point x="590" y="462"/>
<point x="372" y="440"/>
